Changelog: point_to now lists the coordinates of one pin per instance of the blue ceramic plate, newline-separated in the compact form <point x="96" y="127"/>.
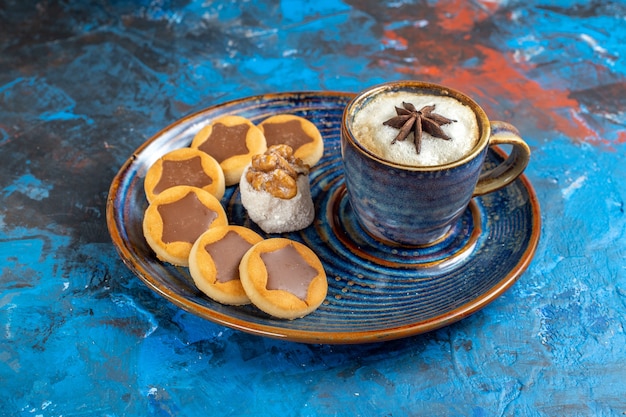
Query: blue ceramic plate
<point x="376" y="292"/>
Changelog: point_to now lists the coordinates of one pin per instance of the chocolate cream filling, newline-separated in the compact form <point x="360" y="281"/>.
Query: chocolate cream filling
<point x="227" y="253"/>
<point x="185" y="220"/>
<point x="185" y="172"/>
<point x="288" y="133"/>
<point x="287" y="270"/>
<point x="226" y="141"/>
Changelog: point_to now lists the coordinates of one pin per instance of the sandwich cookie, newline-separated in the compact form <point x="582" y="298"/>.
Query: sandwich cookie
<point x="232" y="141"/>
<point x="283" y="278"/>
<point x="176" y="218"/>
<point x="298" y="133"/>
<point x="214" y="262"/>
<point x="185" y="166"/>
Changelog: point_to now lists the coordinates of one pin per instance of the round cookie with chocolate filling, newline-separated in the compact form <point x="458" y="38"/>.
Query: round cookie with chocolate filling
<point x="176" y="218"/>
<point x="283" y="278"/>
<point x="297" y="132"/>
<point x="232" y="141"/>
<point x="185" y="166"/>
<point x="214" y="262"/>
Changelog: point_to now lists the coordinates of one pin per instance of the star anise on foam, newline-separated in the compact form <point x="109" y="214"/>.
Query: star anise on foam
<point x="409" y="119"/>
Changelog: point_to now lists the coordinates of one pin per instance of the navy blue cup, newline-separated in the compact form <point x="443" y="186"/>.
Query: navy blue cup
<point x="415" y="206"/>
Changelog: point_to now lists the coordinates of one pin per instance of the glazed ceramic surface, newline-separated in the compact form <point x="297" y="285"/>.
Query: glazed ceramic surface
<point x="406" y="205"/>
<point x="376" y="292"/>
<point x="412" y="204"/>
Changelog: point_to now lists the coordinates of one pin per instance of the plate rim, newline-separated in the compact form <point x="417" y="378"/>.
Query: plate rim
<point x="300" y="335"/>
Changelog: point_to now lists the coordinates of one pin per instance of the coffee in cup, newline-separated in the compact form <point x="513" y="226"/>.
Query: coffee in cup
<point x="371" y="130"/>
<point x="413" y="155"/>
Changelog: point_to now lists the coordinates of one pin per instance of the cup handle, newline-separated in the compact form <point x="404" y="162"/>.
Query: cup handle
<point x="511" y="168"/>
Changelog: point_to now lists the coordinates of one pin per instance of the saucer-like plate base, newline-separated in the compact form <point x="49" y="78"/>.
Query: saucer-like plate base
<point x="376" y="291"/>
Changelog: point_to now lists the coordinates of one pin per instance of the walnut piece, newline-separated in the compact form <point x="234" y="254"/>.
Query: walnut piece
<point x="276" y="171"/>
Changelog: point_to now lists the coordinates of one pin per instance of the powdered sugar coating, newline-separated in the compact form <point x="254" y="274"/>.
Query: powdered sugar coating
<point x="277" y="215"/>
<point x="369" y="130"/>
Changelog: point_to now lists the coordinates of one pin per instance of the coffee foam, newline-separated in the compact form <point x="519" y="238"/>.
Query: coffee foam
<point x="369" y="131"/>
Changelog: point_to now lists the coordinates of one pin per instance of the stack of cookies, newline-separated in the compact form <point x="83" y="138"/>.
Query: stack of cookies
<point x="186" y="225"/>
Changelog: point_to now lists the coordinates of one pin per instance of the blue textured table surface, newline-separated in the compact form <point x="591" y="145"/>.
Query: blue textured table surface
<point x="83" y="84"/>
